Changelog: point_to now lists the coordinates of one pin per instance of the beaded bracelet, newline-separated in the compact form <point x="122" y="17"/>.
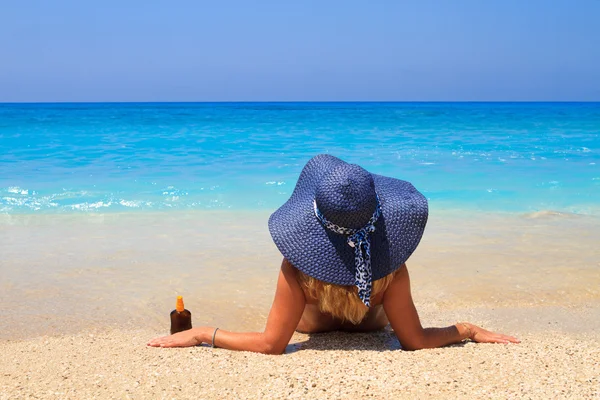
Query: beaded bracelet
<point x="213" y="337"/>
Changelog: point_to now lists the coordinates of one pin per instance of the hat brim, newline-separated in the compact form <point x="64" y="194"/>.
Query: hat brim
<point x="325" y="255"/>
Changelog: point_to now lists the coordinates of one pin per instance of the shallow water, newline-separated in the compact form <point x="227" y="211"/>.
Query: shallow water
<point x="66" y="273"/>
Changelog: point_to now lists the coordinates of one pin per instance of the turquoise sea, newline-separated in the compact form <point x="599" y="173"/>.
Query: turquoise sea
<point x="102" y="157"/>
<point x="109" y="211"/>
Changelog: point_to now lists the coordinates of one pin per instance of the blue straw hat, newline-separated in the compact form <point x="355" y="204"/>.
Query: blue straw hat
<point x="346" y="226"/>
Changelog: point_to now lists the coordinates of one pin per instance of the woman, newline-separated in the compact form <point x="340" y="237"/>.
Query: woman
<point x="345" y="235"/>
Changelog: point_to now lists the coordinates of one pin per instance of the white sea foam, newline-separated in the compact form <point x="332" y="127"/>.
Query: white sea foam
<point x="91" y="206"/>
<point x="17" y="190"/>
<point x="100" y="204"/>
<point x="12" y="200"/>
<point x="129" y="203"/>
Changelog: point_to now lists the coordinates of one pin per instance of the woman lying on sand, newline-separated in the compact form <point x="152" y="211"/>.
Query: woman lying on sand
<point x="345" y="235"/>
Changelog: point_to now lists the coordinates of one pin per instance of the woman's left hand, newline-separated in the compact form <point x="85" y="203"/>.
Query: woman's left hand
<point x="481" y="335"/>
<point x="191" y="337"/>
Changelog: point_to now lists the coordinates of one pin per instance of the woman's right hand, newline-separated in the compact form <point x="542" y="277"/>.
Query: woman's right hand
<point x="190" y="337"/>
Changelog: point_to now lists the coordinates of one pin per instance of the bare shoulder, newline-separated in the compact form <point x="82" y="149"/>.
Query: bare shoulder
<point x="401" y="274"/>
<point x="400" y="309"/>
<point x="288" y="276"/>
<point x="400" y="282"/>
<point x="288" y="269"/>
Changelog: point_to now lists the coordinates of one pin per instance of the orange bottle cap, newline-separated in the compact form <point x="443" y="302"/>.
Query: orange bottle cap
<point x="179" y="307"/>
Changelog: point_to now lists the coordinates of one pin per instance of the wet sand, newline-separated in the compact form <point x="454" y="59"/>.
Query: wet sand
<point x="80" y="296"/>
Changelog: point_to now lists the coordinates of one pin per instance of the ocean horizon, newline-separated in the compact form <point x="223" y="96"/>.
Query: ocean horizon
<point x="311" y="102"/>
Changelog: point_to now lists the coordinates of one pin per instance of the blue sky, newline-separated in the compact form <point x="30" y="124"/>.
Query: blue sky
<point x="464" y="50"/>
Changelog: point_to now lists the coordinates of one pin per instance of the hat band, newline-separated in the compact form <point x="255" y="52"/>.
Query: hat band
<point x="361" y="241"/>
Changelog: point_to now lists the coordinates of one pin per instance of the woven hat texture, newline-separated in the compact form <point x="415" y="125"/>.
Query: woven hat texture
<point x="346" y="195"/>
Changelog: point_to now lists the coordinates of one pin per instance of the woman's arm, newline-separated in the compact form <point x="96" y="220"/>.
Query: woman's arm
<point x="403" y="316"/>
<point x="283" y="319"/>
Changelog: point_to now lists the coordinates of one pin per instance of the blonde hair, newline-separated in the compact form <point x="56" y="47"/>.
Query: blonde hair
<point x="341" y="301"/>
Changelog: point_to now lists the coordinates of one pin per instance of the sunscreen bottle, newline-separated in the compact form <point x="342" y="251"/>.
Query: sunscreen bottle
<point x="181" y="319"/>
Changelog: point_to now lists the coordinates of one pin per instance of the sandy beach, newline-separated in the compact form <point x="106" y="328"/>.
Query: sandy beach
<point x="116" y="364"/>
<point x="80" y="304"/>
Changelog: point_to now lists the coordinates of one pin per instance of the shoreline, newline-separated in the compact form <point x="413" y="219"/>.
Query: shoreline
<point x="435" y="209"/>
<point x="125" y="271"/>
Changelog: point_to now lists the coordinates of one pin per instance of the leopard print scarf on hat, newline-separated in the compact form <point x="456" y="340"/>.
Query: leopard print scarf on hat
<point x="361" y="241"/>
